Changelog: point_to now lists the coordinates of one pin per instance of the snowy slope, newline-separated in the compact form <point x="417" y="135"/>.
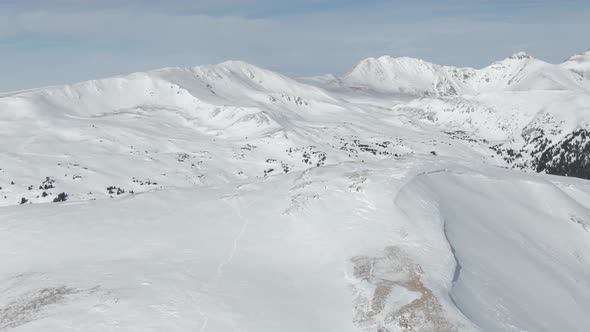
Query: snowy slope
<point x="407" y="75"/>
<point x="580" y="64"/>
<point x="229" y="197"/>
<point x="507" y="249"/>
<point x="524" y="107"/>
<point x="523" y="72"/>
<point x="352" y="247"/>
<point x="519" y="72"/>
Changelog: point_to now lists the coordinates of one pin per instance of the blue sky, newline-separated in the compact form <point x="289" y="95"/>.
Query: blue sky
<point x="46" y="42"/>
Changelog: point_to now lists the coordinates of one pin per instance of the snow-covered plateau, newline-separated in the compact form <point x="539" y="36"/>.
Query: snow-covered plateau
<point x="401" y="196"/>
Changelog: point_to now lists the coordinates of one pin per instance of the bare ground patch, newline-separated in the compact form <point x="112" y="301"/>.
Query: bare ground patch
<point x="357" y="179"/>
<point x="391" y="296"/>
<point x="303" y="192"/>
<point x="31" y="305"/>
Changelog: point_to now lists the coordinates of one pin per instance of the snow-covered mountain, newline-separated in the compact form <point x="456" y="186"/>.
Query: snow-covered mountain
<point x="519" y="72"/>
<point x="580" y="64"/>
<point x="402" y="196"/>
<point x="528" y="108"/>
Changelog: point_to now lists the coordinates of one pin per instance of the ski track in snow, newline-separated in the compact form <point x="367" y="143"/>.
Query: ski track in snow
<point x="238" y="237"/>
<point x="219" y="270"/>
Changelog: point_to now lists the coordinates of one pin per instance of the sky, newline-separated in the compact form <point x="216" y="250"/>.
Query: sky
<point x="50" y="42"/>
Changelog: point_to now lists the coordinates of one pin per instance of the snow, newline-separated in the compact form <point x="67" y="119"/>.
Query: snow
<point x="515" y="250"/>
<point x="519" y="72"/>
<point x="406" y="75"/>
<point x="231" y="198"/>
<point x="580" y="64"/>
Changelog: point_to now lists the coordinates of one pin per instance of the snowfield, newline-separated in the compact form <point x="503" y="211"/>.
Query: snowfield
<point x="403" y="196"/>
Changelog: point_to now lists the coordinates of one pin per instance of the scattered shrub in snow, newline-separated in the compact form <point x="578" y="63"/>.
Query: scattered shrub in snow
<point x="47" y="184"/>
<point x="61" y="198"/>
<point x="115" y="190"/>
<point x="268" y="171"/>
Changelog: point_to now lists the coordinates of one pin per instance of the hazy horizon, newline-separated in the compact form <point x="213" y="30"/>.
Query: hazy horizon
<point x="63" y="41"/>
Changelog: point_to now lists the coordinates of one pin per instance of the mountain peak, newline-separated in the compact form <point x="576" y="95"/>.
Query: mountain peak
<point x="236" y="64"/>
<point x="397" y="74"/>
<point x="401" y="59"/>
<point x="231" y="66"/>
<point x="521" y="56"/>
<point x="579" y="63"/>
<point x="389" y="64"/>
<point x="580" y="56"/>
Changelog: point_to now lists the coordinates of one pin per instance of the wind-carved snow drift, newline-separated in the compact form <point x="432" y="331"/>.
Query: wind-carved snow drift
<point x="402" y="196"/>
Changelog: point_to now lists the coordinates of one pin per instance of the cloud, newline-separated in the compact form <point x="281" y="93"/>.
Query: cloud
<point x="41" y="45"/>
<point x="204" y="7"/>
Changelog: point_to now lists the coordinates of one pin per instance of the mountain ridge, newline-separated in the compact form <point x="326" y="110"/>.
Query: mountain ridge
<point x="501" y="103"/>
<point x="420" y="77"/>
